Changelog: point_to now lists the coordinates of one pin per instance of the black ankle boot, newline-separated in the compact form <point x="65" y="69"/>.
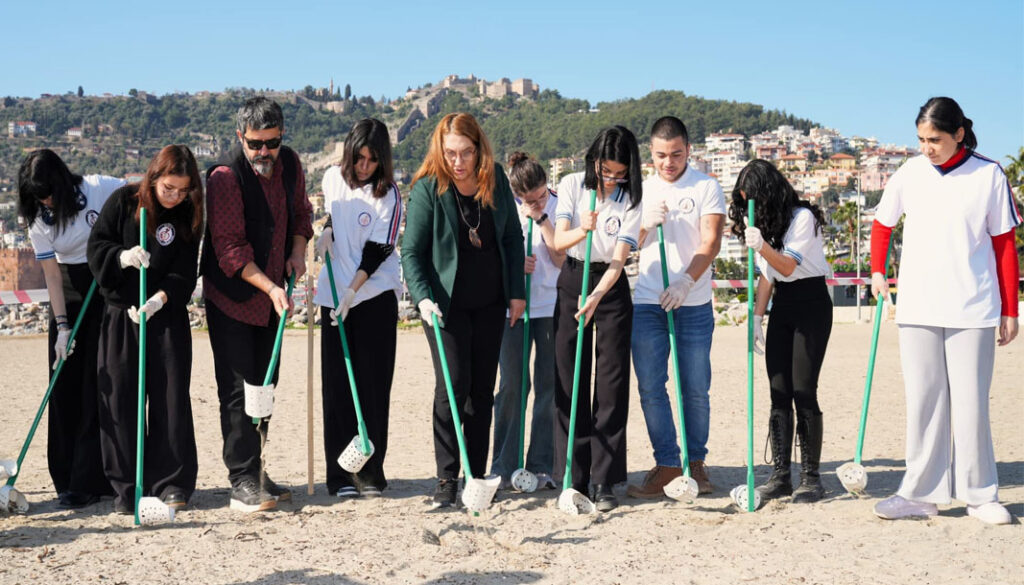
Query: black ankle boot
<point x="808" y="429"/>
<point x="780" y="431"/>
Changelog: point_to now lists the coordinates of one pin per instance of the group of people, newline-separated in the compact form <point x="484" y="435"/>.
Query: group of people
<point x="463" y="260"/>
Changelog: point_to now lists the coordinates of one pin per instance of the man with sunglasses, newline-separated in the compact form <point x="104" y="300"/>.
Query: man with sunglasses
<point x="258" y="223"/>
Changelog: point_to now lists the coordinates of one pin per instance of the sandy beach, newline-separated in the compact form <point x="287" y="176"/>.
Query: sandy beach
<point x="319" y="540"/>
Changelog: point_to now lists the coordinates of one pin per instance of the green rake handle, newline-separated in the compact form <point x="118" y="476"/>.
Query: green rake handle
<point x="675" y="359"/>
<point x="53" y="382"/>
<point x="140" y="415"/>
<point x="526" y="354"/>
<point x="276" y="354"/>
<point x="750" y="364"/>
<point x="364" y="437"/>
<point x="456" y="419"/>
<point x="871" y="366"/>
<point x="567" y="480"/>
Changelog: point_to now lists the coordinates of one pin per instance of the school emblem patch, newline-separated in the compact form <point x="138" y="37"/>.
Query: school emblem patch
<point x="364" y="219"/>
<point x="687" y="205"/>
<point x="91" y="217"/>
<point x="165" y="234"/>
<point x="612" y="225"/>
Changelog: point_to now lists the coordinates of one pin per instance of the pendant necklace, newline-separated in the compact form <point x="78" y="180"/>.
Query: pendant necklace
<point x="474" y="236"/>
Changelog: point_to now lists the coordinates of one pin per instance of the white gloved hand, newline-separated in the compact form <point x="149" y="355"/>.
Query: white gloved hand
<point x="151" y="306"/>
<point x="61" y="347"/>
<point x="346" y="303"/>
<point x="325" y="242"/>
<point x="654" y="215"/>
<point x="135" y="257"/>
<point x="427" y="308"/>
<point x="672" y="297"/>
<point x="753" y="237"/>
<point x="759" y="334"/>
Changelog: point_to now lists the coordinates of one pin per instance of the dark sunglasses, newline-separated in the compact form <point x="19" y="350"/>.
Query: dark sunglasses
<point x="259" y="144"/>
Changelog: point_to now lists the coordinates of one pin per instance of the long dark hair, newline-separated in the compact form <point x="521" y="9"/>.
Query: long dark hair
<point x="373" y="134"/>
<point x="945" y="114"/>
<point x="524" y="173"/>
<point x="618" y="144"/>
<point x="774" y="201"/>
<point x="43" y="174"/>
<point x="176" y="160"/>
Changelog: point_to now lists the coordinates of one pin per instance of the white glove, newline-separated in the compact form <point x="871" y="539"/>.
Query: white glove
<point x="61" y="348"/>
<point x="654" y="215"/>
<point x="345" y="305"/>
<point x="426" y="308"/>
<point x="150" y="307"/>
<point x="135" y="257"/>
<point x="753" y="237"/>
<point x="672" y="297"/>
<point x="759" y="334"/>
<point x="325" y="242"/>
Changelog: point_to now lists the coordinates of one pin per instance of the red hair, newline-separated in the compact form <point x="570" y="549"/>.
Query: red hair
<point x="437" y="166"/>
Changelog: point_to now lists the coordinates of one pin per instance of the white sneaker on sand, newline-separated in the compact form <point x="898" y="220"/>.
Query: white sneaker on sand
<point x="898" y="507"/>
<point x="990" y="513"/>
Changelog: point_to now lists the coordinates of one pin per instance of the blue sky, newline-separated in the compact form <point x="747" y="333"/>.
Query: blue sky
<point x="861" y="67"/>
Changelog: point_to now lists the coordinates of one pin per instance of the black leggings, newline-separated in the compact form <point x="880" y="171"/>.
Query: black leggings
<point x="798" y="332"/>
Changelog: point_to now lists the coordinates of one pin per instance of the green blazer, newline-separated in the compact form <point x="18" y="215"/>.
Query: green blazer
<point x="430" y="251"/>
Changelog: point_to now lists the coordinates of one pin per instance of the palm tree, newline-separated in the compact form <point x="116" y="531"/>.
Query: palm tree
<point x="845" y="218"/>
<point x="1015" y="174"/>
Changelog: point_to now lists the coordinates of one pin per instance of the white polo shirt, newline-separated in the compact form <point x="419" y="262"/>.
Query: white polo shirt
<point x="947" y="274"/>
<point x="358" y="217"/>
<point x="68" y="246"/>
<point x="543" y="281"/>
<point x="802" y="243"/>
<point x="615" y="221"/>
<point x="689" y="198"/>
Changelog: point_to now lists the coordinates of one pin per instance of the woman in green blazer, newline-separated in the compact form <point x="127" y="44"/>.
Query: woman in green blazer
<point x="462" y="255"/>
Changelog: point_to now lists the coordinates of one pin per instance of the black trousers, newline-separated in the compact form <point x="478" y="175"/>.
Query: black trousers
<point x="372" y="334"/>
<point x="599" y="449"/>
<point x="73" y="431"/>
<point x="170" y="461"/>
<point x="241" y="353"/>
<point x="797" y="335"/>
<point x="472" y="344"/>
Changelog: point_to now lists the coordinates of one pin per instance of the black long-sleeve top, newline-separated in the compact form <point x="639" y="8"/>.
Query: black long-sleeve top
<point x="173" y="254"/>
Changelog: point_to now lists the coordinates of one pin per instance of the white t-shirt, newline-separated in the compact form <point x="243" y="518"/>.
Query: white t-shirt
<point x="692" y="196"/>
<point x="615" y="221"/>
<point x="802" y="243"/>
<point x="947" y="274"/>
<point x="69" y="245"/>
<point x="357" y="217"/>
<point x="545" y="274"/>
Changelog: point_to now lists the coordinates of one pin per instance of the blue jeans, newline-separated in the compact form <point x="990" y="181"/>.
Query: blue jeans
<point x="508" y="406"/>
<point x="650" y="345"/>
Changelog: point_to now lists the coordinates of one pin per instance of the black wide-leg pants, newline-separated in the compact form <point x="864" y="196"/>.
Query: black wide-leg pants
<point x="372" y="335"/>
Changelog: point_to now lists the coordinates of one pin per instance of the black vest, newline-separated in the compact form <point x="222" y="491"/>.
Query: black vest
<point x="259" y="223"/>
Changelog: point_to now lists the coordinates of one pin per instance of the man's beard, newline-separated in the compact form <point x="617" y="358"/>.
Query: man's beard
<point x="263" y="165"/>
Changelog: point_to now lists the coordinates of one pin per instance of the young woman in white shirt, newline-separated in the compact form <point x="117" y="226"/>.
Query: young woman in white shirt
<point x="957" y="299"/>
<point x="612" y="168"/>
<point x="365" y="216"/>
<point x="60" y="209"/>
<point x="787" y="237"/>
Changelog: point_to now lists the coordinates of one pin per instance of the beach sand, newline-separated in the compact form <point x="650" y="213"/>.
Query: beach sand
<point x="318" y="540"/>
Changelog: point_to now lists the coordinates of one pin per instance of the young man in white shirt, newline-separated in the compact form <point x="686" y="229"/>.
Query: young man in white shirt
<point x="691" y="208"/>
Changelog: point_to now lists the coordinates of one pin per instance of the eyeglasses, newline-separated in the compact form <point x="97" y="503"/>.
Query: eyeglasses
<point x="174" y="192"/>
<point x="271" y="144"/>
<point x="616" y="180"/>
<point x="453" y="156"/>
<point x="608" y="176"/>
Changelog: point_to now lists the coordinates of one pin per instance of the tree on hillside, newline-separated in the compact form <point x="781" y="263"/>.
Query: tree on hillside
<point x="348" y="92"/>
<point x="81" y="92"/>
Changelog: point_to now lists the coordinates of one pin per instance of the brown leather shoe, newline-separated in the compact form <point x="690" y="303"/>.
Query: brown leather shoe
<point x="699" y="472"/>
<point x="654" y="481"/>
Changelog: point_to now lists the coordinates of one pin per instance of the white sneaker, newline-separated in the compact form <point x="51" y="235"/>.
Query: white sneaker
<point x="990" y="513"/>
<point x="898" y="507"/>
